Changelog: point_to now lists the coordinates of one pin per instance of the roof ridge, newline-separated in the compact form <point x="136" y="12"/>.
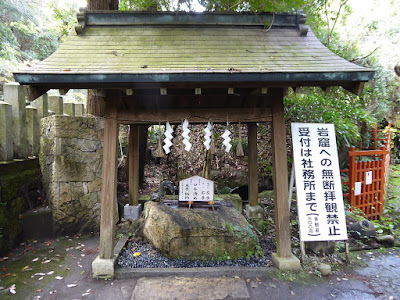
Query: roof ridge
<point x="145" y="18"/>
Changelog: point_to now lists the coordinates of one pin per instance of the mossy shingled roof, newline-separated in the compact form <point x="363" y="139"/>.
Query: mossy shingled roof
<point x="115" y="46"/>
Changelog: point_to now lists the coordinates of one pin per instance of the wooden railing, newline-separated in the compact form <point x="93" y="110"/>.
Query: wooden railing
<point x="368" y="193"/>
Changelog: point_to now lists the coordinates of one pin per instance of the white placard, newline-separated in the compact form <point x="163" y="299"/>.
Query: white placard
<point x="357" y="188"/>
<point x="368" y="177"/>
<point x="318" y="183"/>
<point x="196" y="188"/>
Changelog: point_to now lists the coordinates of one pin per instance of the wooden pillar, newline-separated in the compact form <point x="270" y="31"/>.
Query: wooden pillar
<point x="252" y="164"/>
<point x="143" y="133"/>
<point x="133" y="160"/>
<point x="109" y="187"/>
<point x="282" y="217"/>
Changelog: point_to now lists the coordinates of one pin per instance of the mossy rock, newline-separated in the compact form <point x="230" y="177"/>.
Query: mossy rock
<point x="269" y="195"/>
<point x="193" y="234"/>
<point x="235" y="198"/>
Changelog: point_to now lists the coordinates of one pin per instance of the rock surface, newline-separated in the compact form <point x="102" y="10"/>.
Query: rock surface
<point x="362" y="229"/>
<point x="324" y="269"/>
<point x="322" y="247"/>
<point x="385" y="239"/>
<point x="189" y="233"/>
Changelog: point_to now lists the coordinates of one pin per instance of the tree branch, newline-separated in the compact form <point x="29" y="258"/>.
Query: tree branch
<point x="365" y="56"/>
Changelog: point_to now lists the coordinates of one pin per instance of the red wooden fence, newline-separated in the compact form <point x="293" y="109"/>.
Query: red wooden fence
<point x="370" y="198"/>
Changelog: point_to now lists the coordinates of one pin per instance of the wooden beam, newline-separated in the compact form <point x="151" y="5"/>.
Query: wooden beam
<point x="109" y="186"/>
<point x="356" y="89"/>
<point x="34" y="92"/>
<point x="200" y="115"/>
<point x="63" y="91"/>
<point x="133" y="160"/>
<point x="280" y="175"/>
<point x="252" y="164"/>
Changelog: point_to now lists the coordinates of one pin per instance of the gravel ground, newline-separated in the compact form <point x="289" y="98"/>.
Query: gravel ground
<point x="151" y="258"/>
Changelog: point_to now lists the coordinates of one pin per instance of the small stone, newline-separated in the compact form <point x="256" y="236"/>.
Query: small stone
<point x="324" y="269"/>
<point x="385" y="239"/>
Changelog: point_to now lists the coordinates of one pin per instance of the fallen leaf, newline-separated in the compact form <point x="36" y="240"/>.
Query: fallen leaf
<point x="136" y="254"/>
<point x="38" y="291"/>
<point x="46" y="261"/>
<point x="292" y="293"/>
<point x="291" y="279"/>
<point x="35" y="259"/>
<point x="236" y="277"/>
<point x="89" y="290"/>
<point x="248" y="280"/>
<point x="40" y="278"/>
<point x="258" y="279"/>
<point x="24" y="282"/>
<point x="59" y="277"/>
<point x="272" y="285"/>
<point x="85" y="294"/>
<point x="24" y="268"/>
<point x="71" y="285"/>
<point x="391" y="298"/>
<point x="39" y="274"/>
<point x="50" y="273"/>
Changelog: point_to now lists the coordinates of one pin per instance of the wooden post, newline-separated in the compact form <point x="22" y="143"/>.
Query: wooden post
<point x="133" y="160"/>
<point x="253" y="165"/>
<point x="143" y="133"/>
<point x="282" y="217"/>
<point x="352" y="176"/>
<point x="109" y="187"/>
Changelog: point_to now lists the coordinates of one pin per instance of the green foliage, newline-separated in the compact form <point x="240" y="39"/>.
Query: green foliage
<point x="65" y="19"/>
<point x="336" y="106"/>
<point x="148" y="5"/>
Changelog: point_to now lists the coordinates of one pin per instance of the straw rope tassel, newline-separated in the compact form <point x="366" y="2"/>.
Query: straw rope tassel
<point x="239" y="148"/>
<point x="159" y="151"/>
<point x="213" y="150"/>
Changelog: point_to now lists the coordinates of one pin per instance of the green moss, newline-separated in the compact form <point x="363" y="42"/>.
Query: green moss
<point x="12" y="204"/>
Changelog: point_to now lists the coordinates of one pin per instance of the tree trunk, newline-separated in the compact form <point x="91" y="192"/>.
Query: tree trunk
<point x="95" y="103"/>
<point x="102" y="4"/>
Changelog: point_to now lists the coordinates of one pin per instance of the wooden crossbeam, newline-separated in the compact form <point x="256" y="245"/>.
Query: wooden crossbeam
<point x="203" y="115"/>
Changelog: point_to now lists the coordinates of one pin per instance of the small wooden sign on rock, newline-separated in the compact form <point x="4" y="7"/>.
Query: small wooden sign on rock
<point x="196" y="188"/>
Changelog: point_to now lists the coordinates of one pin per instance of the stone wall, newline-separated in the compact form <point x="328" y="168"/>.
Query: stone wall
<point x="71" y="151"/>
<point x="15" y="180"/>
<point x="19" y="123"/>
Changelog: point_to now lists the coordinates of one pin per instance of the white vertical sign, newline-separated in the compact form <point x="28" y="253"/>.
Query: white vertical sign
<point x="196" y="188"/>
<point x="318" y="183"/>
<point x="368" y="177"/>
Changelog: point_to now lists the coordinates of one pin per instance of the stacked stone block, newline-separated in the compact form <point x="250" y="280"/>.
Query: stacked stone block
<point x="71" y="161"/>
<point x="6" y="144"/>
<point x="14" y="94"/>
<point x="56" y="105"/>
<point x="69" y="109"/>
<point x="42" y="106"/>
<point x="33" y="130"/>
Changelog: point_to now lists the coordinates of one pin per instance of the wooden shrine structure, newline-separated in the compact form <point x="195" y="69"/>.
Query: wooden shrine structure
<point x="155" y="67"/>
